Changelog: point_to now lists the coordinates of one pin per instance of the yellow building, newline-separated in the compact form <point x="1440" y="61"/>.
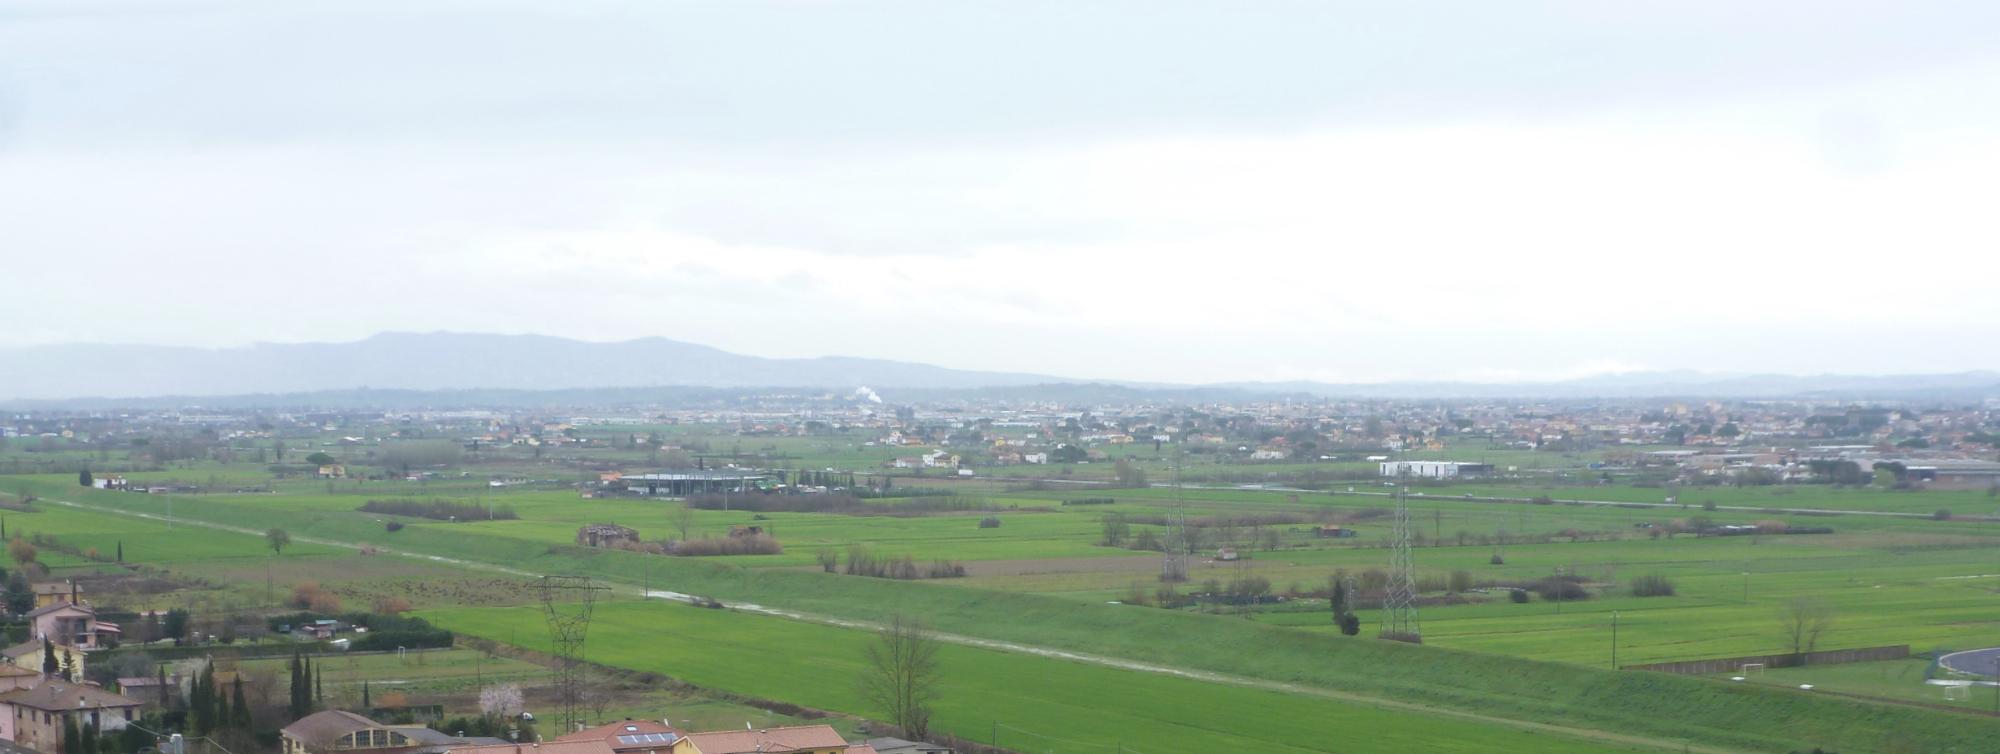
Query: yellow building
<point x="28" y="654"/>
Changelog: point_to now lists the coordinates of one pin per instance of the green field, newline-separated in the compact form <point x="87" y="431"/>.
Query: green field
<point x="1041" y="579"/>
<point x="1032" y="703"/>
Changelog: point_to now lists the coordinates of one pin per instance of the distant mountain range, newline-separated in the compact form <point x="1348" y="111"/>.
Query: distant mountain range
<point x="518" y="368"/>
<point x="442" y="361"/>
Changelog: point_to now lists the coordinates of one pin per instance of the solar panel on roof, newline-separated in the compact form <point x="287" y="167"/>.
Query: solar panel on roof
<point x="646" y="738"/>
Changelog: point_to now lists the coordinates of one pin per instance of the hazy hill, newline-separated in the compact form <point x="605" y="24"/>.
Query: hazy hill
<point x="443" y="361"/>
<point x="540" y="369"/>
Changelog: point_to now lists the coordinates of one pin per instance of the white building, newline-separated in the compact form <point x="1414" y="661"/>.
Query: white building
<point x="1435" y="469"/>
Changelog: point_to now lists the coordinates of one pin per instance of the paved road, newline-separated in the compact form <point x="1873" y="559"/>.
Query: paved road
<point x="1984" y="662"/>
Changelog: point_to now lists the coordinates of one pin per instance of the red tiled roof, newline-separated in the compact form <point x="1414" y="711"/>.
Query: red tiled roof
<point x="770" y="740"/>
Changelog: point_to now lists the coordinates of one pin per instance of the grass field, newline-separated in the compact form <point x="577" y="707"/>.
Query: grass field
<point x="1033" y="703"/>
<point x="1892" y="580"/>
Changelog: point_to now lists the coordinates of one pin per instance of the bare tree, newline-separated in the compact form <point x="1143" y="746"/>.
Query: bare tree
<point x="684" y="520"/>
<point x="1804" y="620"/>
<point x="902" y="673"/>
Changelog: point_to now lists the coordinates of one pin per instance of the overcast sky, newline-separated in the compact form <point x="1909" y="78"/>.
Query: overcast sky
<point x="1151" y="191"/>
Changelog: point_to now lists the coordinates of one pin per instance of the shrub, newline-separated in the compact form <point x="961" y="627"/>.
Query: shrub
<point x="752" y="544"/>
<point x="1562" y="588"/>
<point x="1519" y="596"/>
<point x="1708" y="505"/>
<point x="1461" y="581"/>
<point x="1496" y="559"/>
<point x="827" y="560"/>
<point x="1942" y="514"/>
<point x="1652" y="585"/>
<point x="393" y="526"/>
<point x="989" y="522"/>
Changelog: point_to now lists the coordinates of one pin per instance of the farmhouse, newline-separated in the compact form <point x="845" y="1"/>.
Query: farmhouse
<point x="606" y="535"/>
<point x="73" y="625"/>
<point x="800" y="739"/>
<point x="1435" y="469"/>
<point x="49" y="593"/>
<point x="148" y="689"/>
<point x="35" y="717"/>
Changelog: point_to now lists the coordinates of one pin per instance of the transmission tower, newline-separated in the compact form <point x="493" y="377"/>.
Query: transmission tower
<point x="1174" y="552"/>
<point x="567" y="602"/>
<point x="1399" y="607"/>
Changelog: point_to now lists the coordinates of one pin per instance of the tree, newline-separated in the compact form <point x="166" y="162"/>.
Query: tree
<point x="201" y="700"/>
<point x="684" y="520"/>
<point x="901" y="675"/>
<point x="20" y="596"/>
<point x="321" y="458"/>
<point x="239" y="706"/>
<point x="501" y="701"/>
<point x="72" y="742"/>
<point x="49" y="664"/>
<point x="296" y="706"/>
<point x="277" y="539"/>
<point x="1342" y="603"/>
<point x="1115" y="529"/>
<point x="1128" y="474"/>
<point x="176" y="625"/>
<point x="1804" y="620"/>
<point x="83" y="479"/>
<point x="21" y="552"/>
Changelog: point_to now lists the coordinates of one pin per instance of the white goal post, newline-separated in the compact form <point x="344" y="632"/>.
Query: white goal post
<point x="1752" y="668"/>
<point x="1957" y="693"/>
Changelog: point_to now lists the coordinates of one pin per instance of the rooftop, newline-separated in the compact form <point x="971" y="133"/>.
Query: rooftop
<point x="769" y="740"/>
<point x="62" y="695"/>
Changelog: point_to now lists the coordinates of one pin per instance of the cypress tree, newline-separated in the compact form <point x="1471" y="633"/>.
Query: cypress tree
<point x="366" y="704"/>
<point x="203" y="702"/>
<point x="319" y="688"/>
<point x="49" y="665"/>
<point x="89" y="739"/>
<point x="72" y="742"/>
<point x="241" y="708"/>
<point x="166" y="694"/>
<point x="223" y="714"/>
<point x="292" y="705"/>
<point x="121" y="551"/>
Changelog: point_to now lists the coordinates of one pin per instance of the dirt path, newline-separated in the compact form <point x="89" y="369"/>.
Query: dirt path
<point x="1587" y="734"/>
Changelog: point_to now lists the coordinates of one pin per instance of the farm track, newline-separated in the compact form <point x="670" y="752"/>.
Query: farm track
<point x="1587" y="734"/>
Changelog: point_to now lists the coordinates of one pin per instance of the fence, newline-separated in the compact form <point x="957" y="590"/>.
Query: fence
<point x="1732" y="664"/>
